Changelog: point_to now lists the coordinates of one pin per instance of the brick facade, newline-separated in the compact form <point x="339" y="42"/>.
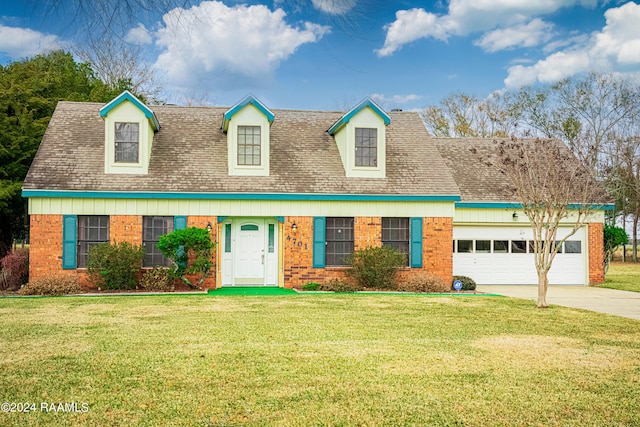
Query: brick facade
<point x="595" y="231"/>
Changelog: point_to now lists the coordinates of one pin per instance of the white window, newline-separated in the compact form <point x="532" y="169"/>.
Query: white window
<point x="127" y="142"/>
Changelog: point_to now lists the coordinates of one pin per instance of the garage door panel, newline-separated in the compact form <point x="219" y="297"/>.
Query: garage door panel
<point x="516" y="268"/>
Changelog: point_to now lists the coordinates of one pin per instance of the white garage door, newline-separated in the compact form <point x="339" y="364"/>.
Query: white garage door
<point x="504" y="256"/>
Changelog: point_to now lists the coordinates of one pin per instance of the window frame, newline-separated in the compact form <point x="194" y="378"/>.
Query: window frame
<point x="367" y="157"/>
<point x="241" y="134"/>
<point x="127" y="142"/>
<point x="84" y="231"/>
<point x="150" y="244"/>
<point x="340" y="225"/>
<point x="399" y="244"/>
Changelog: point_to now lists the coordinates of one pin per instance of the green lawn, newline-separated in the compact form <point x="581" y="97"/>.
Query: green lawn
<point x="623" y="276"/>
<point x="305" y="360"/>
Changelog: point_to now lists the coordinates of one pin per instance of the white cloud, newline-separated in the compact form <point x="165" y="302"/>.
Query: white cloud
<point x="18" y="43"/>
<point x="382" y="99"/>
<point x="334" y="7"/>
<point x="522" y="35"/>
<point x="615" y="48"/>
<point x="214" y="41"/>
<point x="465" y="17"/>
<point x="139" y="35"/>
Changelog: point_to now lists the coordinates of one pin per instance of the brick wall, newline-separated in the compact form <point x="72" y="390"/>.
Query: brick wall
<point x="298" y="249"/>
<point x="595" y="231"/>
<point x="202" y="222"/>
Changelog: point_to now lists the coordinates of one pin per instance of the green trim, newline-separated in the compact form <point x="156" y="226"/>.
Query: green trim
<point x="249" y="99"/>
<point x="222" y="218"/>
<point x="367" y="102"/>
<point x="69" y="242"/>
<point x="238" y="196"/>
<point x="128" y="96"/>
<point x="319" y="241"/>
<point x="415" y="225"/>
<point x="500" y="205"/>
<point x="280" y="219"/>
<point x="179" y="222"/>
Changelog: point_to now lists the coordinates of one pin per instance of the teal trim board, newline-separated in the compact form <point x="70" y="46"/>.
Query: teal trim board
<point x="128" y="96"/>
<point x="367" y="102"/>
<point x="73" y="194"/>
<point x="499" y="205"/>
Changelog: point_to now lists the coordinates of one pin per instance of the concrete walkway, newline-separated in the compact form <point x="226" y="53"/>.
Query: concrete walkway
<point x="602" y="300"/>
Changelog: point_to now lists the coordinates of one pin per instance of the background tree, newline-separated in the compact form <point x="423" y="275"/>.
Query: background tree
<point x="29" y="92"/>
<point x="551" y="186"/>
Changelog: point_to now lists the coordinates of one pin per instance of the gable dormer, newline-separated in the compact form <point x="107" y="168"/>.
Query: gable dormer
<point x="247" y="127"/>
<point x="361" y="139"/>
<point x="129" y="128"/>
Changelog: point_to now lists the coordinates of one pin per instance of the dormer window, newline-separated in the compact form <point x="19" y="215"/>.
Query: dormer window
<point x="127" y="143"/>
<point x="247" y="127"/>
<point x="249" y="143"/>
<point x="360" y="136"/>
<point x="366" y="147"/>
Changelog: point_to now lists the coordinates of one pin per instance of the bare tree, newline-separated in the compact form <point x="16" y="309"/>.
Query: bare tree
<point x="553" y="187"/>
<point x="122" y="65"/>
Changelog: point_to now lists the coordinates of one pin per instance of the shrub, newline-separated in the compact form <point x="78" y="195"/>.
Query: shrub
<point x="337" y="285"/>
<point x="311" y="286"/>
<point x="115" y="266"/>
<point x="424" y="283"/>
<point x="157" y="279"/>
<point x="190" y="249"/>
<point x="376" y="267"/>
<point x="468" y="284"/>
<point x="15" y="269"/>
<point x="52" y="285"/>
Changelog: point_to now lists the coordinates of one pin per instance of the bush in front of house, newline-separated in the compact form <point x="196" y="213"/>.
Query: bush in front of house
<point x="424" y="283"/>
<point x="338" y="285"/>
<point x="157" y="279"/>
<point x="14" y="269"/>
<point x="311" y="286"/>
<point x="190" y="250"/>
<point x="115" y="266"/>
<point x="52" y="285"/>
<point x="376" y="267"/>
<point x="468" y="284"/>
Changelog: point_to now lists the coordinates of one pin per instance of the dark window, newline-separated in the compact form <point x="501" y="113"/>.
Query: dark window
<point x="152" y="228"/>
<point x="395" y="234"/>
<point x="126" y="143"/>
<point x="518" y="247"/>
<point x="366" y="147"/>
<point x="500" y="246"/>
<point x="559" y="246"/>
<point x="92" y="231"/>
<point x="572" y="247"/>
<point x="483" y="246"/>
<point x="339" y="238"/>
<point x="465" y="246"/>
<point x="249" y="145"/>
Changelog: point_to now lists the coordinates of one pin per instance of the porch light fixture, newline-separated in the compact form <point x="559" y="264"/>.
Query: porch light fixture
<point x="515" y="216"/>
<point x="209" y="227"/>
<point x="294" y="227"/>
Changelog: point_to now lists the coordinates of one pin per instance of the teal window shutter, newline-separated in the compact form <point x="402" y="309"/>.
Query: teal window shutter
<point x="69" y="241"/>
<point x="179" y="222"/>
<point x="319" y="241"/>
<point x="416" y="242"/>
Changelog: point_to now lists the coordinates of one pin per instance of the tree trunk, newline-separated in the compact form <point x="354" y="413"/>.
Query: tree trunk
<point x="634" y="250"/>
<point x="543" y="285"/>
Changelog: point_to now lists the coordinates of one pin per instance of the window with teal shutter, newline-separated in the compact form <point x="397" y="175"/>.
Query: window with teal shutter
<point x="416" y="243"/>
<point x="69" y="241"/>
<point x="319" y="230"/>
<point x="179" y="223"/>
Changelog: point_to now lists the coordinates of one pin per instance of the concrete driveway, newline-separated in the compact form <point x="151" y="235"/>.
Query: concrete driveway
<point x="609" y="301"/>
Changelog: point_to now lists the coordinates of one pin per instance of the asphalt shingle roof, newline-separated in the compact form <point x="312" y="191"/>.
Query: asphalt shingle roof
<point x="189" y="154"/>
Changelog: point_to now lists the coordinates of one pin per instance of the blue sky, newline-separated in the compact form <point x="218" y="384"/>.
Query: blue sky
<point x="330" y="54"/>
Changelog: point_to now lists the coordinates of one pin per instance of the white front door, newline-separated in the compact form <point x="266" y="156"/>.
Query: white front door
<point x="249" y="252"/>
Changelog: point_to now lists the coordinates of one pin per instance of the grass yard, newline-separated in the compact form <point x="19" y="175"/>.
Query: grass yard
<point x="305" y="360"/>
<point x="623" y="276"/>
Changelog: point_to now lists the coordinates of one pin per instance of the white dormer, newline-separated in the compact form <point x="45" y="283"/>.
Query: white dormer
<point x="247" y="126"/>
<point x="129" y="129"/>
<point x="361" y="139"/>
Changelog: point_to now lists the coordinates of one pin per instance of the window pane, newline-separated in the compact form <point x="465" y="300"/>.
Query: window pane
<point x="152" y="228"/>
<point x="249" y="145"/>
<point x="573" y="247"/>
<point x="483" y="246"/>
<point x="465" y="246"/>
<point x="92" y="231"/>
<point x="395" y="234"/>
<point x="126" y="143"/>
<point x="366" y="147"/>
<point x="272" y="238"/>
<point x="500" y="246"/>
<point x="518" y="247"/>
<point x="339" y="239"/>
